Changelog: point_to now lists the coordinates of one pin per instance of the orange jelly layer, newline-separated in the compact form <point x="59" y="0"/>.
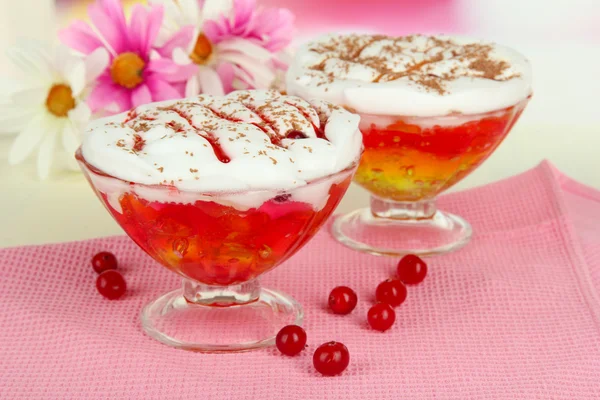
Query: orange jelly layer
<point x="217" y="244"/>
<point x="407" y="162"/>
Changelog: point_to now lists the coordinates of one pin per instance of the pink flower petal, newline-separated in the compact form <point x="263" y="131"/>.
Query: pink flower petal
<point x="227" y="74"/>
<point x="213" y="31"/>
<point x="108" y="18"/>
<point x="243" y="12"/>
<point x="166" y="70"/>
<point x="182" y="39"/>
<point x="155" y="18"/>
<point x="106" y="92"/>
<point x="162" y="90"/>
<point x="79" y="36"/>
<point x="138" y="28"/>
<point x="141" y="95"/>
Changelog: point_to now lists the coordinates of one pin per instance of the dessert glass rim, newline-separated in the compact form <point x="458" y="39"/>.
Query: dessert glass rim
<point x="453" y="114"/>
<point x="79" y="157"/>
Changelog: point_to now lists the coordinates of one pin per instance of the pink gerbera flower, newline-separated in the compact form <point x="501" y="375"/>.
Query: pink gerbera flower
<point x="232" y="44"/>
<point x="136" y="74"/>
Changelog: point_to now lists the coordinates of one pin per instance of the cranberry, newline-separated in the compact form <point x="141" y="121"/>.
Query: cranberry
<point x="111" y="284"/>
<point x="381" y="317"/>
<point x="104" y="261"/>
<point x="412" y="270"/>
<point x="342" y="300"/>
<point x="296" y="135"/>
<point x="391" y="291"/>
<point x="291" y="340"/>
<point x="331" y="358"/>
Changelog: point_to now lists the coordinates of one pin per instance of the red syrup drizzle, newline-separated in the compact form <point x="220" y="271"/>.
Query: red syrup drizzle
<point x="275" y="139"/>
<point x="318" y="130"/>
<point x="138" y="143"/>
<point x="214" y="142"/>
<point x="131" y="115"/>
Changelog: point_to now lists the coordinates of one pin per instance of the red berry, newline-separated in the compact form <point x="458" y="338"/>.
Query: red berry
<point x="381" y="317"/>
<point x="291" y="340"/>
<point x="111" y="284"/>
<point x="412" y="270"/>
<point x="342" y="300"/>
<point x="331" y="358"/>
<point x="104" y="261"/>
<point x="391" y="291"/>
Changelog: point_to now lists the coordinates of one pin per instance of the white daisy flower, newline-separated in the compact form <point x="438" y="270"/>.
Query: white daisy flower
<point x="48" y="103"/>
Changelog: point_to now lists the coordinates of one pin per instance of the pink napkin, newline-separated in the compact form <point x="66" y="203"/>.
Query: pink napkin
<point x="514" y="315"/>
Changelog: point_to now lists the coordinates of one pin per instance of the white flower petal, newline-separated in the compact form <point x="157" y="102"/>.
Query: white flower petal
<point x="80" y="115"/>
<point x="210" y="82"/>
<point x="192" y="88"/>
<point x="95" y="64"/>
<point x="238" y="45"/>
<point x="262" y="75"/>
<point x="31" y="61"/>
<point x="28" y="139"/>
<point x="180" y="57"/>
<point x="46" y="151"/>
<point x="76" y="78"/>
<point x="31" y="97"/>
<point x="71" y="138"/>
<point x="213" y="9"/>
<point x="13" y="118"/>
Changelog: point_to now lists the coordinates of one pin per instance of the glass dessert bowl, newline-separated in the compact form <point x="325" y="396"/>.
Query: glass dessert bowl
<point x="432" y="110"/>
<point x="220" y="241"/>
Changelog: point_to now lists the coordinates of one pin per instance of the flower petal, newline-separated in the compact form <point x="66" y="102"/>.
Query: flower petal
<point x="180" y="57"/>
<point x="240" y="45"/>
<point x="32" y="62"/>
<point x="46" y="151"/>
<point x="154" y="21"/>
<point x="192" y="88"/>
<point x="141" y="95"/>
<point x="76" y="78"/>
<point x="210" y="82"/>
<point x="162" y="90"/>
<point x="227" y="74"/>
<point x="14" y="118"/>
<point x="109" y="20"/>
<point x="262" y="74"/>
<point x="96" y="63"/>
<point x="105" y="93"/>
<point x="31" y="97"/>
<point x="182" y="39"/>
<point x="79" y="36"/>
<point x="213" y="9"/>
<point x="80" y="115"/>
<point x="71" y="138"/>
<point x="28" y="139"/>
<point x="138" y="28"/>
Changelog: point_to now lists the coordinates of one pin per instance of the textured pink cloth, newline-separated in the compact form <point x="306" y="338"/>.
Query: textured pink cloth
<point x="514" y="315"/>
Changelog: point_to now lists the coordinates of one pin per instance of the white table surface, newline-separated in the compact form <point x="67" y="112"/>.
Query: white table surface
<point x="561" y="124"/>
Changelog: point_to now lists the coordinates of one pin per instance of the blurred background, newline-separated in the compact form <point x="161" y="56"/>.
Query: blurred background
<point x="562" y="123"/>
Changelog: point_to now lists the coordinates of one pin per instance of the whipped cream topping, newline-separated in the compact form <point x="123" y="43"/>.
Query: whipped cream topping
<point x="410" y="75"/>
<point x="247" y="140"/>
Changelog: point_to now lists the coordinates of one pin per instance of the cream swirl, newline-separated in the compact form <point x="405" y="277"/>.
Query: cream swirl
<point x="410" y="75"/>
<point x="247" y="140"/>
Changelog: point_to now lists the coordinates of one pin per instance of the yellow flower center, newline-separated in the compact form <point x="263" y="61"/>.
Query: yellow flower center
<point x="127" y="70"/>
<point x="202" y="51"/>
<point x="60" y="100"/>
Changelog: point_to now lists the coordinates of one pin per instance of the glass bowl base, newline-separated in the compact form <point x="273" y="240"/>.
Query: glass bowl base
<point x="174" y="321"/>
<point x="441" y="233"/>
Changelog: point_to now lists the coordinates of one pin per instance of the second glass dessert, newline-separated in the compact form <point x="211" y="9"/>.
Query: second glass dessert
<point x="432" y="110"/>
